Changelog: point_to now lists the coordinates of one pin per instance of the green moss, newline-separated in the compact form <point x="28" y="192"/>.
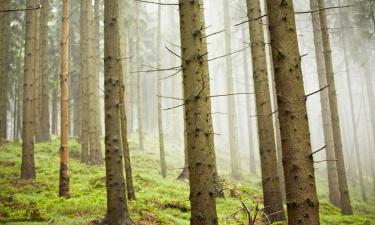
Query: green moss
<point x="159" y="201"/>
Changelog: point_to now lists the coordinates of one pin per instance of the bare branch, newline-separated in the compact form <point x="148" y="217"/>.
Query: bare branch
<point x="321" y="9"/>
<point x="321" y="89"/>
<point x="156" y="3"/>
<point x="320" y="149"/>
<point x="19" y="10"/>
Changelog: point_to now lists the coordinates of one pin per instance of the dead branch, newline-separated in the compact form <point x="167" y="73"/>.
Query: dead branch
<point x="19" y="10"/>
<point x="231" y="94"/>
<point x="321" y="9"/>
<point x="321" y="89"/>
<point x="169" y="97"/>
<point x="231" y="53"/>
<point x="156" y="3"/>
<point x="320" y="149"/>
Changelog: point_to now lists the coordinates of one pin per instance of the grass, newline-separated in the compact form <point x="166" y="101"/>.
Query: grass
<point x="159" y="201"/>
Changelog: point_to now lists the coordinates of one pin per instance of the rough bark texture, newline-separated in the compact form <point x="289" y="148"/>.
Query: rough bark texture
<point x="232" y="114"/>
<point x="333" y="185"/>
<point x="267" y="147"/>
<point x="200" y="140"/>
<point x="117" y="209"/>
<point x="28" y="164"/>
<point x="64" y="77"/>
<point x="139" y="82"/>
<point x="163" y="163"/>
<point x="346" y="208"/>
<point x="302" y="200"/>
<point x="45" y="133"/>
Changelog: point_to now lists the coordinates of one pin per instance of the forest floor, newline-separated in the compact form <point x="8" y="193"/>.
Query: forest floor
<point x="159" y="201"/>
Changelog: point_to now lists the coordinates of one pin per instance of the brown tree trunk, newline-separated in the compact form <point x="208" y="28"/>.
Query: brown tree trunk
<point x="333" y="185"/>
<point x="28" y="164"/>
<point x="117" y="209"/>
<point x="37" y="77"/>
<point x="346" y="208"/>
<point x="64" y="152"/>
<point x="232" y="114"/>
<point x="139" y="82"/>
<point x="45" y="134"/>
<point x="163" y="163"/>
<point x="200" y="139"/>
<point x="267" y="146"/>
<point x="302" y="200"/>
<point x="54" y="111"/>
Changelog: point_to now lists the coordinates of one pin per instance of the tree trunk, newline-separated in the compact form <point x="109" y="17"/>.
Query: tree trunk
<point x="302" y="200"/>
<point x="37" y="77"/>
<point x="200" y="139"/>
<point x="139" y="82"/>
<point x="45" y="135"/>
<point x="54" y="111"/>
<point x="163" y="163"/>
<point x="346" y="208"/>
<point x="232" y="114"/>
<point x="333" y="185"/>
<point x="64" y="77"/>
<point x="267" y="147"/>
<point x="28" y="164"/>
<point x="117" y="209"/>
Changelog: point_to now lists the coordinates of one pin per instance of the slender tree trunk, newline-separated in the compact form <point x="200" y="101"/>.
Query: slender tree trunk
<point x="28" y="164"/>
<point x="163" y="163"/>
<point x="37" y="77"/>
<point x="232" y="114"/>
<point x="303" y="207"/>
<point x="348" y="80"/>
<point x="64" y="152"/>
<point x="117" y="209"/>
<point x="333" y="185"/>
<point x="200" y="139"/>
<point x="267" y="146"/>
<point x="54" y="111"/>
<point x="44" y="114"/>
<point x="139" y="82"/>
<point x="346" y="208"/>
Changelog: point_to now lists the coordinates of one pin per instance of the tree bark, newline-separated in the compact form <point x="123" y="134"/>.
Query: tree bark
<point x="139" y="82"/>
<point x="232" y="114"/>
<point x="346" y="208"/>
<point x="267" y="146"/>
<point x="28" y="164"/>
<point x="64" y="152"/>
<point x="37" y="77"/>
<point x="333" y="185"/>
<point x="200" y="139"/>
<point x="117" y="209"/>
<point x="302" y="200"/>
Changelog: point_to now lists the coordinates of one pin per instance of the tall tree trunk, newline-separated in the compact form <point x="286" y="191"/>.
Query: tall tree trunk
<point x="303" y="207"/>
<point x="84" y="77"/>
<point x="44" y="114"/>
<point x="117" y="209"/>
<point x="54" y="111"/>
<point x="64" y="77"/>
<point x="163" y="163"/>
<point x="200" y="139"/>
<point x="267" y="147"/>
<point x="232" y="114"/>
<point x="37" y="77"/>
<point x="28" y="164"/>
<point x="333" y="185"/>
<point x="346" y="208"/>
<point x="139" y="82"/>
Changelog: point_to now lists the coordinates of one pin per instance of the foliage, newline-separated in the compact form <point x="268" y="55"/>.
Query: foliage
<point x="159" y="201"/>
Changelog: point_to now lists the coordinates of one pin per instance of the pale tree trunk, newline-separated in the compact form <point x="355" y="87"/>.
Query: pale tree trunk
<point x="248" y="107"/>
<point x="333" y="185"/>
<point x="84" y="77"/>
<point x="37" y="77"/>
<point x="28" y="164"/>
<point x="54" y="111"/>
<point x="117" y="208"/>
<point x="232" y="114"/>
<point x="44" y="118"/>
<point x="267" y="146"/>
<point x="200" y="135"/>
<point x="163" y="163"/>
<point x="64" y="77"/>
<point x="139" y="83"/>
<point x="348" y="81"/>
<point x="124" y="67"/>
<point x="303" y="206"/>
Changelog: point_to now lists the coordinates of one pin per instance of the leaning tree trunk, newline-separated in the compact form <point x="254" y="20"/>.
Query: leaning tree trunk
<point x="232" y="114"/>
<point x="346" y="208"/>
<point x="303" y="206"/>
<point x="117" y="208"/>
<point x="200" y="139"/>
<point x="163" y="163"/>
<point x="139" y="82"/>
<point x="64" y="152"/>
<point x="267" y="146"/>
<point x="333" y="185"/>
<point x="28" y="164"/>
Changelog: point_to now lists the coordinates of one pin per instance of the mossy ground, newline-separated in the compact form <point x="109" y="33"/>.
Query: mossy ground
<point x="159" y="201"/>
